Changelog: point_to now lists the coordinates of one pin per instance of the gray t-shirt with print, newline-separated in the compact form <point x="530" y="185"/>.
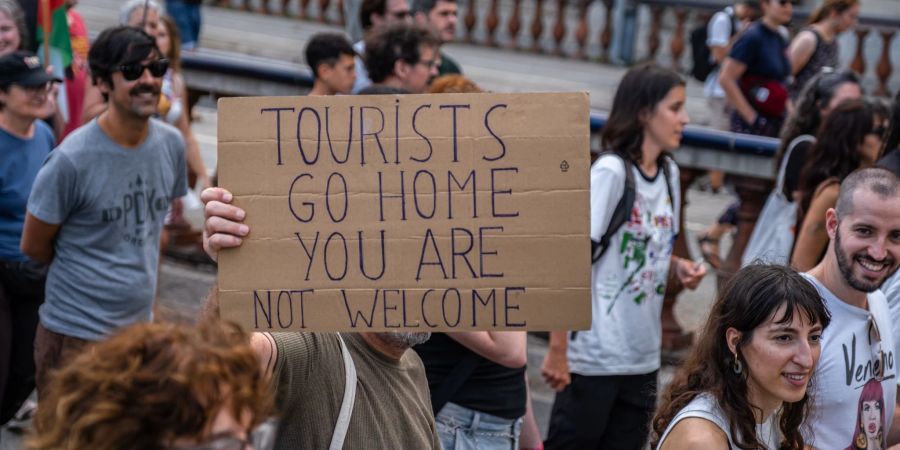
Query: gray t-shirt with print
<point x="110" y="203"/>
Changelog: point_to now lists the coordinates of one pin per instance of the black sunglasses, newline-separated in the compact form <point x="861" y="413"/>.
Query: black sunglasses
<point x="132" y="72"/>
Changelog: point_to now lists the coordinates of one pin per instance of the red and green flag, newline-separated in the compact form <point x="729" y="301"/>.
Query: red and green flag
<point x="53" y="29"/>
<point x="52" y="25"/>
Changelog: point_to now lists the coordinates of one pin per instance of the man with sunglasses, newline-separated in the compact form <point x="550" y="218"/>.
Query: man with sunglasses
<point x="375" y="14"/>
<point x="864" y="251"/>
<point x="98" y="204"/>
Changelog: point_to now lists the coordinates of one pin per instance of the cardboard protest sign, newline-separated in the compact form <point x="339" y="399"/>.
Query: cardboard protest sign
<point x="416" y="212"/>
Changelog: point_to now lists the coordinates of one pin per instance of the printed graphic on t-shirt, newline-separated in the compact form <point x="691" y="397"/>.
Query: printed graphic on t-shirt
<point x="646" y="240"/>
<point x="870" y="422"/>
<point x="138" y="211"/>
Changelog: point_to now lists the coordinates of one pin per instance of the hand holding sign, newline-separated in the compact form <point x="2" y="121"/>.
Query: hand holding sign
<point x="223" y="227"/>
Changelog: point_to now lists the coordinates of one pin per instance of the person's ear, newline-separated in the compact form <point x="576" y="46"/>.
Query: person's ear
<point x="104" y="85"/>
<point x="831" y="222"/>
<point x="324" y="71"/>
<point x="732" y="338"/>
<point x="401" y="69"/>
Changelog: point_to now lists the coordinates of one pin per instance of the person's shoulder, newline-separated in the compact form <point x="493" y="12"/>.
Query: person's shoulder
<point x="610" y="162"/>
<point x="163" y="129"/>
<point x="891" y="161"/>
<point x="168" y="134"/>
<point x="721" y="17"/>
<point x="695" y="432"/>
<point x="44" y="130"/>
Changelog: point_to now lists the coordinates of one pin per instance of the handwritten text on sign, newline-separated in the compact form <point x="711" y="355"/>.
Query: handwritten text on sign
<point x="417" y="212"/>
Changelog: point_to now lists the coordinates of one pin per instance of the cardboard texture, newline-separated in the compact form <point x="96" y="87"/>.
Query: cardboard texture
<point x="417" y="212"/>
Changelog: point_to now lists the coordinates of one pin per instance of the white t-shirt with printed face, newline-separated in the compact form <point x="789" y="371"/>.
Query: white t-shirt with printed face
<point x="854" y="392"/>
<point x="629" y="281"/>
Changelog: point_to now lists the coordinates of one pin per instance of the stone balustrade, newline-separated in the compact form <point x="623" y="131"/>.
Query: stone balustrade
<point x="586" y="29"/>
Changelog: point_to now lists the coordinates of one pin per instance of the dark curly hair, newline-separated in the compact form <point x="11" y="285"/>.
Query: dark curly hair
<point x="149" y="384"/>
<point x="749" y="299"/>
<point x="398" y="42"/>
<point x="640" y="90"/>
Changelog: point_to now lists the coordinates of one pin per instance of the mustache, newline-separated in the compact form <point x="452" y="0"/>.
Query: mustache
<point x="144" y="89"/>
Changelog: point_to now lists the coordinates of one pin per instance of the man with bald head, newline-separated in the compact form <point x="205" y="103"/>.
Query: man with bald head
<point x="856" y="378"/>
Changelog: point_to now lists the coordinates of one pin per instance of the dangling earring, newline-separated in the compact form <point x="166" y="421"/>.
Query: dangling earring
<point x="861" y="440"/>
<point x="738" y="368"/>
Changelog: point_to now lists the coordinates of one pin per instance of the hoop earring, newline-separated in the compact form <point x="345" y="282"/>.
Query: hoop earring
<point x="737" y="367"/>
<point x="861" y="440"/>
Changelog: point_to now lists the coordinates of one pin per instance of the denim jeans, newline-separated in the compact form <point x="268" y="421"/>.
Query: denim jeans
<point x="461" y="428"/>
<point x="187" y="17"/>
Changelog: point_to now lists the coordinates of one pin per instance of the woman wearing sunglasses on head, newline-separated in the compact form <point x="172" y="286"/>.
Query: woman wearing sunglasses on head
<point x="159" y="386"/>
<point x="849" y="139"/>
<point x="745" y="384"/>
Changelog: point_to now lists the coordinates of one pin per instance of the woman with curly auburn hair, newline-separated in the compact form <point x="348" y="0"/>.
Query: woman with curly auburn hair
<point x="158" y="386"/>
<point x="744" y="385"/>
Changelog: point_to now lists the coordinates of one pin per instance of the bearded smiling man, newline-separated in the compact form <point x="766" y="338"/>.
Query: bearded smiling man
<point x="856" y="379"/>
<point x="392" y="406"/>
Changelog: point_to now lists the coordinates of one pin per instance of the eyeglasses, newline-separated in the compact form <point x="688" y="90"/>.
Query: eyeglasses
<point x="430" y="63"/>
<point x="132" y="72"/>
<point x="261" y="438"/>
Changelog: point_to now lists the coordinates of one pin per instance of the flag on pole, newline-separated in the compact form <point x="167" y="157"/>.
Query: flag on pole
<point x="53" y="29"/>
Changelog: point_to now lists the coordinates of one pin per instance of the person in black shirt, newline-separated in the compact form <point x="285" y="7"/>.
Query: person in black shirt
<point x="477" y="383"/>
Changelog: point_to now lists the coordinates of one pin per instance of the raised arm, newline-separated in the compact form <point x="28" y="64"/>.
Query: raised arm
<point x="506" y="348"/>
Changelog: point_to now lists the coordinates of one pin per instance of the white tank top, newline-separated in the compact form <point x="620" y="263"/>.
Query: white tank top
<point x="706" y="407"/>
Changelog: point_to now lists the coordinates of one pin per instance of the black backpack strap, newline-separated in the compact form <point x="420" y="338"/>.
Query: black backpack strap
<point x="664" y="161"/>
<point x="620" y="214"/>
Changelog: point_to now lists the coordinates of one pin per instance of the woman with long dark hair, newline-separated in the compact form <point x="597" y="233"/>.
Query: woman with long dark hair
<point x="744" y="385"/>
<point x="851" y="138"/>
<point x="606" y="377"/>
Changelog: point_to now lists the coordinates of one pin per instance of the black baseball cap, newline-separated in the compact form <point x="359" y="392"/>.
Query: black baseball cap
<point x="24" y="68"/>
